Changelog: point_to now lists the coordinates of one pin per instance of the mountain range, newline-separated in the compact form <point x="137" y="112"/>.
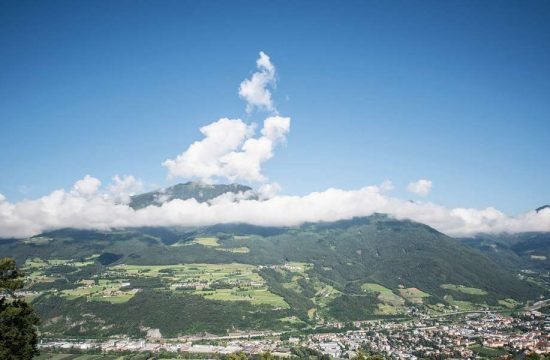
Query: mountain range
<point x="227" y="277"/>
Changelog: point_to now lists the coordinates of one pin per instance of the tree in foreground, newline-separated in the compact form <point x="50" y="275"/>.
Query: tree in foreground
<point x="18" y="321"/>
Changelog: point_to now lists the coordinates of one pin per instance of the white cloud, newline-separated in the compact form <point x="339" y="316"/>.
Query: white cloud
<point x="122" y="188"/>
<point x="2" y="198"/>
<point x="386" y="186"/>
<point x="255" y="91"/>
<point x="268" y="191"/>
<point x="97" y="211"/>
<point x="420" y="187"/>
<point x="86" y="186"/>
<point x="202" y="158"/>
<point x="230" y="151"/>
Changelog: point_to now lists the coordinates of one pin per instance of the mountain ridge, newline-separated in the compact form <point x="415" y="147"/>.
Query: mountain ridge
<point x="197" y="190"/>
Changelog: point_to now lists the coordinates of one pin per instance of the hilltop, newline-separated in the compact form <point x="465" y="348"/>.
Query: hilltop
<point x="199" y="191"/>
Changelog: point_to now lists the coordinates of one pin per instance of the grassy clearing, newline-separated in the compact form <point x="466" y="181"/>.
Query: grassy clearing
<point x="324" y="295"/>
<point x="390" y="303"/>
<point x="299" y="267"/>
<point x="207" y="241"/>
<point x="107" y="290"/>
<point x="463" y="289"/>
<point x="39" y="264"/>
<point x="292" y="320"/>
<point x="241" y="281"/>
<point x="232" y="273"/>
<point x="256" y="296"/>
<point x="508" y="303"/>
<point x="35" y="263"/>
<point x="461" y="305"/>
<point x="414" y="295"/>
<point x="39" y="240"/>
<point x="373" y="287"/>
<point x="239" y="250"/>
<point x="386" y="309"/>
<point x="487" y="352"/>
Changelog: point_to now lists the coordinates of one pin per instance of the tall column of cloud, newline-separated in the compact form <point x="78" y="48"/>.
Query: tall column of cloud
<point x="255" y="91"/>
<point x="230" y="149"/>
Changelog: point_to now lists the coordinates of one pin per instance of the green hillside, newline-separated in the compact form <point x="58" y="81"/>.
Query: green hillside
<point x="529" y="250"/>
<point x="100" y="283"/>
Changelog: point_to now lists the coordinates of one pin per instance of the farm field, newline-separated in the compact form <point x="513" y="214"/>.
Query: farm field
<point x="464" y="289"/>
<point x="390" y="303"/>
<point x="414" y="295"/>
<point x="118" y="284"/>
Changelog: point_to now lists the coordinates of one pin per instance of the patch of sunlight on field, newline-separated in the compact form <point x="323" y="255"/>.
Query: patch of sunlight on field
<point x="207" y="241"/>
<point x="239" y="250"/>
<point x="461" y="305"/>
<point x="108" y="291"/>
<point x="386" y="309"/>
<point x="324" y="293"/>
<point x="414" y="295"/>
<point x="35" y="263"/>
<point x="291" y="320"/>
<point x="391" y="303"/>
<point x="39" y="240"/>
<point x="508" y="303"/>
<point x="256" y="296"/>
<point x="184" y="272"/>
<point x="463" y="289"/>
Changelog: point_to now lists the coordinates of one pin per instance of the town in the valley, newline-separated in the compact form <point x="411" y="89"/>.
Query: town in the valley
<point x="472" y="334"/>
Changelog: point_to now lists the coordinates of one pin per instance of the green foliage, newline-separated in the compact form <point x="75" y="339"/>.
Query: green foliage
<point x="299" y="303"/>
<point x="308" y="354"/>
<point x="237" y="356"/>
<point x="353" y="307"/>
<point x="532" y="356"/>
<point x="18" y="321"/>
<point x="11" y="278"/>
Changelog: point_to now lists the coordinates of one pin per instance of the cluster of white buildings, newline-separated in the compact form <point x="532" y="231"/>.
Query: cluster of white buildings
<point x="436" y="337"/>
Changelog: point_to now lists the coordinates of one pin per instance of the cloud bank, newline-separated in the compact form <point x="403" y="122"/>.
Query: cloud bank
<point x="96" y="209"/>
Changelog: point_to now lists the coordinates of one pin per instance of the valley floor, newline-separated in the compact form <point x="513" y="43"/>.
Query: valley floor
<point x="472" y="334"/>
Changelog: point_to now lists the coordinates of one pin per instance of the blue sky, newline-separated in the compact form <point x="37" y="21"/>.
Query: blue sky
<point x="455" y="92"/>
